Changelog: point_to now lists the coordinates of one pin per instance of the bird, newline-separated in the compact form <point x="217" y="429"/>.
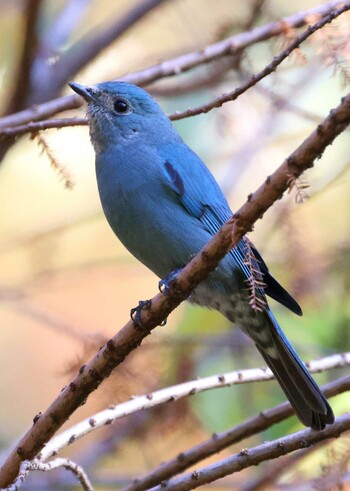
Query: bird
<point x="164" y="205"/>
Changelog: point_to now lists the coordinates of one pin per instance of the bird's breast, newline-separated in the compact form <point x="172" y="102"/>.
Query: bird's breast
<point x="147" y="217"/>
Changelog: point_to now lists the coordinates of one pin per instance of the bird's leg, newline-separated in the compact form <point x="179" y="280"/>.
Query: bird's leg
<point x="135" y="313"/>
<point x="165" y="284"/>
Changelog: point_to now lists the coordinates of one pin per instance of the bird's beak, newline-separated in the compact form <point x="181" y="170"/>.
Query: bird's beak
<point x="84" y="91"/>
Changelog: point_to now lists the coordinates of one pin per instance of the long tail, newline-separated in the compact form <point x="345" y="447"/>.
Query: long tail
<point x="303" y="393"/>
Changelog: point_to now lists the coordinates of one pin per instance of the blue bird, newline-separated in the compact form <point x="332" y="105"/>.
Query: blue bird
<point x="164" y="205"/>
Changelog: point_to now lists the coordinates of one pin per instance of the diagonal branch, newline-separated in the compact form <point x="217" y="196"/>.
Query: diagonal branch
<point x="176" y="392"/>
<point x="180" y="64"/>
<point x="220" y="441"/>
<point x="271" y="67"/>
<point x="218" y="102"/>
<point x="230" y="46"/>
<point x="87" y="48"/>
<point x="277" y="470"/>
<point x="254" y="456"/>
<point x="130" y="337"/>
<point x="62" y="28"/>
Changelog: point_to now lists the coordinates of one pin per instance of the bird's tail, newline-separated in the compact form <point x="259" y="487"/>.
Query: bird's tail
<point x="303" y="393"/>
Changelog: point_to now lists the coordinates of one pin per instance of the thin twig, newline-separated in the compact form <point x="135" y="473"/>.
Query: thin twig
<point x="35" y="465"/>
<point x="47" y="124"/>
<point x="220" y="441"/>
<point x="180" y="64"/>
<point x="86" y="49"/>
<point x="254" y="456"/>
<point x="276" y="471"/>
<point x="174" y="393"/>
<point x="271" y="67"/>
<point x="230" y="46"/>
<point x="129" y="337"/>
<point x="216" y="103"/>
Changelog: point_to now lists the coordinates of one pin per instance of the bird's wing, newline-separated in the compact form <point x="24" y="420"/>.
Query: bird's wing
<point x="201" y="196"/>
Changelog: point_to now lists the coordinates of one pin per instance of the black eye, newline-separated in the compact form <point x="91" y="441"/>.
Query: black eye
<point x="121" y="106"/>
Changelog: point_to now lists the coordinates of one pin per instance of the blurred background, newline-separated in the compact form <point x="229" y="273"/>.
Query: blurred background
<point x="67" y="284"/>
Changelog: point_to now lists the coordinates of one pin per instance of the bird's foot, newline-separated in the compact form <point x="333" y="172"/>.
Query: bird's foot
<point x="165" y="284"/>
<point x="135" y="313"/>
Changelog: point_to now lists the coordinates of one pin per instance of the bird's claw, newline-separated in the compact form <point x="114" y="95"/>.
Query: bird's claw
<point x="165" y="284"/>
<point x="135" y="313"/>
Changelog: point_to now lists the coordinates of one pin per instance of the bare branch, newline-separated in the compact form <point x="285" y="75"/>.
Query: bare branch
<point x="60" y="30"/>
<point x="47" y="124"/>
<point x="174" y="393"/>
<point x="180" y="64"/>
<point x="254" y="456"/>
<point x="87" y="48"/>
<point x="222" y="440"/>
<point x="218" y="102"/>
<point x="274" y="472"/>
<point x="34" y="465"/>
<point x="271" y="67"/>
<point x="29" y="49"/>
<point x="52" y="39"/>
<point x="230" y="46"/>
<point x="129" y="337"/>
<point x="41" y="111"/>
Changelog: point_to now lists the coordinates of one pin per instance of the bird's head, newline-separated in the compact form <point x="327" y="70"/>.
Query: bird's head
<point x="119" y="112"/>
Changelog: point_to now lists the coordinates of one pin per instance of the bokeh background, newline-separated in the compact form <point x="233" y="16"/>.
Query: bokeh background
<point x="67" y="284"/>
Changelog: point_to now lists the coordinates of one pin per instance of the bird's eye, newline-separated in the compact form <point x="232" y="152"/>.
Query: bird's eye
<point x="121" y="106"/>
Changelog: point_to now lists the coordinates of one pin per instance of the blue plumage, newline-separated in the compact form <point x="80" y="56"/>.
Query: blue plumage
<point x="164" y="205"/>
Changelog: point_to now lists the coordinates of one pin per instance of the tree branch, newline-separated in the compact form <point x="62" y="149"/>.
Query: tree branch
<point x="35" y="465"/>
<point x="41" y="111"/>
<point x="54" y="36"/>
<point x="47" y="124"/>
<point x="180" y="64"/>
<point x="218" y="102"/>
<point x="254" y="456"/>
<point x="220" y="441"/>
<point x="129" y="337"/>
<point x="271" y="67"/>
<point x="174" y="393"/>
<point x="230" y="46"/>
<point x="29" y="49"/>
<point x="87" y="48"/>
<point x="273" y="473"/>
